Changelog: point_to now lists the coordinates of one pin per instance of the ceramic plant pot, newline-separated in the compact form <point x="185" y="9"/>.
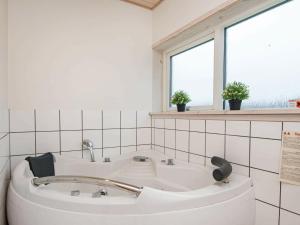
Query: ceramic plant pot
<point x="235" y="104"/>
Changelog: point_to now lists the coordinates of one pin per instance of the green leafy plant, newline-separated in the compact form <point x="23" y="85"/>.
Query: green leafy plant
<point x="236" y="91"/>
<point x="180" y="97"/>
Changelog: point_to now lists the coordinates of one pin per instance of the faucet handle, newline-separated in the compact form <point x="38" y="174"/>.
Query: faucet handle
<point x="87" y="143"/>
<point x="170" y="162"/>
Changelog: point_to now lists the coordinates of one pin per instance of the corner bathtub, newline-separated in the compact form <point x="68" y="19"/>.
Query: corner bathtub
<point x="181" y="194"/>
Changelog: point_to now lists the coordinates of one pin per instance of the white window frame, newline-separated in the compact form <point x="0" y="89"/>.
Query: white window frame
<point x="216" y="32"/>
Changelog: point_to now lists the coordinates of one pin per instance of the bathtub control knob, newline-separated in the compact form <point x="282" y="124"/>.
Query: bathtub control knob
<point x="170" y="162"/>
<point x="99" y="193"/>
<point x="107" y="159"/>
<point x="75" y="193"/>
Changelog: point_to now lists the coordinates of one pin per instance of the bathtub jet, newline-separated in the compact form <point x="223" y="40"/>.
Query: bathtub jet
<point x="128" y="190"/>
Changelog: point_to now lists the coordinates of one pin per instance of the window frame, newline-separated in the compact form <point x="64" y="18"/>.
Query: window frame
<point x="175" y="52"/>
<point x="185" y="46"/>
<point x="218" y="34"/>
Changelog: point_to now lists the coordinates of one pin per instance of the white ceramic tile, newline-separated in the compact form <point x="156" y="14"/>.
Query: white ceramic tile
<point x="143" y="136"/>
<point x="183" y="156"/>
<point x="111" y="152"/>
<point x="237" y="149"/>
<point x="170" y="124"/>
<point x="22" y="143"/>
<point x="128" y="137"/>
<point x="266" y="129"/>
<point x="291" y="126"/>
<point x="111" y="138"/>
<point x="265" y="154"/>
<point x="15" y="160"/>
<point x="21" y="120"/>
<point x="267" y="186"/>
<point x="215" y="145"/>
<point x="159" y="149"/>
<point x="159" y="123"/>
<point x="266" y="214"/>
<point x="170" y="153"/>
<point x="144" y="147"/>
<point x="47" y="142"/>
<point x="47" y="120"/>
<point x="92" y="119"/>
<point x="241" y="128"/>
<point x="71" y="140"/>
<point x="70" y="119"/>
<point x="241" y="170"/>
<point x="111" y="119"/>
<point x="128" y="149"/>
<point x="73" y="154"/>
<point x="143" y="119"/>
<point x="159" y="137"/>
<point x="182" y="124"/>
<point x="95" y="136"/>
<point x="196" y="159"/>
<point x="215" y="126"/>
<point x="129" y="119"/>
<point x="4" y="147"/>
<point x="197" y="143"/>
<point x="4" y="122"/>
<point x="197" y="125"/>
<point x="97" y="154"/>
<point x="287" y="218"/>
<point x="289" y="200"/>
<point x="182" y="140"/>
<point x="2" y="134"/>
<point x="170" y="138"/>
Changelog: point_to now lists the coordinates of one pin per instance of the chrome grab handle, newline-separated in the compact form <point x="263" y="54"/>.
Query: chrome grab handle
<point x="88" y="180"/>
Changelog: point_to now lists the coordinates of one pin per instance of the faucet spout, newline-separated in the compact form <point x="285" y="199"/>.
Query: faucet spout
<point x="90" y="146"/>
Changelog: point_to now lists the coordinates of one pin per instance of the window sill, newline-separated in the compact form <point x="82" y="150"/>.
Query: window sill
<point x="228" y="112"/>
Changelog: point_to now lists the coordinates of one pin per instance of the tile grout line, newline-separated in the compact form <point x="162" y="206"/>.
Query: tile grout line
<point x="164" y="137"/>
<point x="249" y="154"/>
<point x="151" y="132"/>
<point x="9" y="143"/>
<point x="189" y="141"/>
<point x="136" y="130"/>
<point x="34" y="117"/>
<point x="59" y="128"/>
<point x="102" y="135"/>
<point x="120" y="132"/>
<point x="280" y="187"/>
<point x="81" y="115"/>
<point x="225" y="139"/>
<point x="175" y="137"/>
<point x="205" y="142"/>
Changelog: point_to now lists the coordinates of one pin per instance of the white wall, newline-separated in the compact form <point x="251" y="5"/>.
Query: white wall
<point x="79" y="54"/>
<point x="172" y="15"/>
<point x="4" y="146"/>
<point x="3" y="54"/>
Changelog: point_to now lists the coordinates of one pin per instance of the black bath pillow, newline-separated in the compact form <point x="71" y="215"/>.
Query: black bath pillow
<point x="42" y="166"/>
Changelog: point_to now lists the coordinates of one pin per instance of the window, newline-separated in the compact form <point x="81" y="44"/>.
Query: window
<point x="263" y="52"/>
<point x="191" y="70"/>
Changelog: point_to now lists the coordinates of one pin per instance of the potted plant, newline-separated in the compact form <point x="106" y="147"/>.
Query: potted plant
<point x="235" y="93"/>
<point x="180" y="98"/>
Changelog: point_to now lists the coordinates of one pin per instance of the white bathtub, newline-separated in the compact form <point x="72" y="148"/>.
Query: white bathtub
<point x="182" y="194"/>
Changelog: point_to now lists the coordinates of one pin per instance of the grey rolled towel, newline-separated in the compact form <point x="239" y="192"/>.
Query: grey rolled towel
<point x="42" y="166"/>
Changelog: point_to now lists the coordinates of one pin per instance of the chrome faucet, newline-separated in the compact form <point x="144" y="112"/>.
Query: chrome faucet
<point x="89" y="145"/>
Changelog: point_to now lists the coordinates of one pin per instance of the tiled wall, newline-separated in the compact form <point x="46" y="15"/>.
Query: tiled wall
<point x="253" y="148"/>
<point x="4" y="162"/>
<point x="35" y="132"/>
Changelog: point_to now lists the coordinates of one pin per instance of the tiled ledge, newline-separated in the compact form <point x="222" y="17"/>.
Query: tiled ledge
<point x="254" y="114"/>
